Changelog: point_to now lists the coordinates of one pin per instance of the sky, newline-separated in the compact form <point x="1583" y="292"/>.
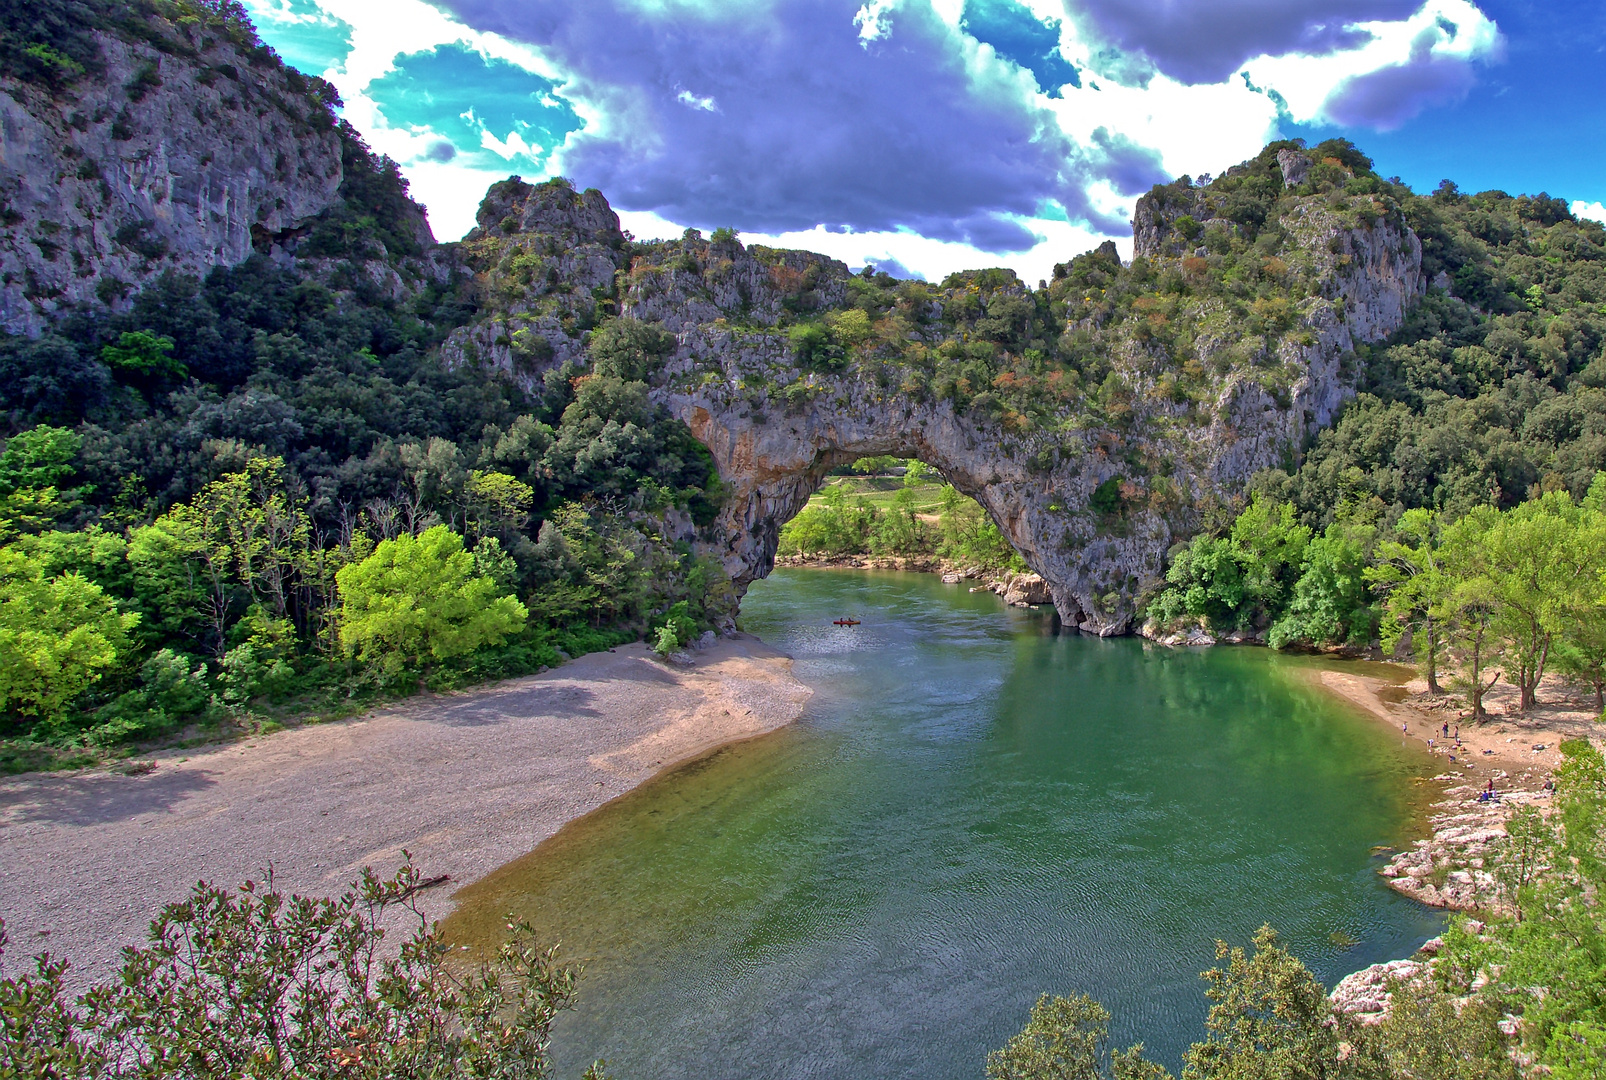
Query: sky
<point x="928" y="136"/>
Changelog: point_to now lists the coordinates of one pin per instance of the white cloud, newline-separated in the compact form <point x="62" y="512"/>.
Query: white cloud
<point x="691" y="100"/>
<point x="449" y="191"/>
<point x="1594" y="211"/>
<point x="1439" y="30"/>
<point x="1193" y="128"/>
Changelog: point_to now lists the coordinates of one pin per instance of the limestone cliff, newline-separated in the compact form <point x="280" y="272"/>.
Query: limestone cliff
<point x="1091" y="484"/>
<point x="186" y="150"/>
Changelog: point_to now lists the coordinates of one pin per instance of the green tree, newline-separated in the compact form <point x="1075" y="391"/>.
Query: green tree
<point x="1579" y="617"/>
<point x="1429" y="1034"/>
<point x="1407" y="572"/>
<point x="1269" y="1019"/>
<point x="418" y="600"/>
<point x="1064" y="1039"/>
<point x="897" y="530"/>
<point x="1272" y="545"/>
<point x="57" y="636"/>
<point x="1531" y="559"/>
<point x="1468" y="608"/>
<point x="1545" y="961"/>
<point x="143" y="354"/>
<point x="1331" y="601"/>
<point x="33" y="466"/>
<point x="968" y="534"/>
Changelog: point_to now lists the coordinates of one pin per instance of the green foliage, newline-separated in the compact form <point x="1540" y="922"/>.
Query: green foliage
<point x="1106" y="498"/>
<point x="143" y="354"/>
<point x="1064" y="1039"/>
<point x="251" y="982"/>
<point x="57" y="636"/>
<point x="418" y="600"/>
<point x="1239" y="582"/>
<point x="1267" y="1018"/>
<point x="628" y="349"/>
<point x="1430" y="1033"/>
<point x="676" y="630"/>
<point x="814" y="350"/>
<point x="32" y="466"/>
<point x="1331" y="599"/>
<point x="1544" y="960"/>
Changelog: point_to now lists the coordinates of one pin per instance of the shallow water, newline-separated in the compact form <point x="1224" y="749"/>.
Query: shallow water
<point x="973" y="811"/>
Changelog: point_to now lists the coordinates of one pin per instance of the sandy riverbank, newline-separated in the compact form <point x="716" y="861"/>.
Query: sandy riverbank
<point x="465" y="782"/>
<point x="1448" y="867"/>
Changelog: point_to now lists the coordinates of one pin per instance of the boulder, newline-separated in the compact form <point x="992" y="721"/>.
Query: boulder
<point x="1027" y="590"/>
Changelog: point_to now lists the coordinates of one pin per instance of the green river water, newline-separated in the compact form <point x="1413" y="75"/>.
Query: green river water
<point x="972" y="811"/>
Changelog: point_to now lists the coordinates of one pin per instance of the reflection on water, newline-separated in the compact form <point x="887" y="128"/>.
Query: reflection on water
<point x="972" y="812"/>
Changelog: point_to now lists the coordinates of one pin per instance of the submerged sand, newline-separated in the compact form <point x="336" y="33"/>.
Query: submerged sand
<point x="464" y="782"/>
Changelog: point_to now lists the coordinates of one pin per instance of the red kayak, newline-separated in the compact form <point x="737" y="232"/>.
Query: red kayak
<point x="846" y="622"/>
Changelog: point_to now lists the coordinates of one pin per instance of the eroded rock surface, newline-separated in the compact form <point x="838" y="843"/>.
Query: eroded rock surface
<point x="162" y="161"/>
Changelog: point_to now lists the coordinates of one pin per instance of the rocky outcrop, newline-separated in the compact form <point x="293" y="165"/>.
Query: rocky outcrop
<point x="1453" y="867"/>
<point x="546" y="256"/>
<point x="1367" y="995"/>
<point x="179" y="158"/>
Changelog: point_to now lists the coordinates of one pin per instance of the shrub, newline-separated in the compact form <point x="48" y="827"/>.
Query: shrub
<point x="250" y="982"/>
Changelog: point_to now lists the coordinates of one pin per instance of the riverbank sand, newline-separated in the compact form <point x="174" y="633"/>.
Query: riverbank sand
<point x="465" y="782"/>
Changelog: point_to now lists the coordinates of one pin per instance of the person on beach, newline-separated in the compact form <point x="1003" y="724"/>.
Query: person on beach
<point x="1447" y="729"/>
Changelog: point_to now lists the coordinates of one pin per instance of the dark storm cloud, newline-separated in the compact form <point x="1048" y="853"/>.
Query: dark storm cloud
<point x="1205" y="41"/>
<point x="1388" y="97"/>
<point x="773" y="117"/>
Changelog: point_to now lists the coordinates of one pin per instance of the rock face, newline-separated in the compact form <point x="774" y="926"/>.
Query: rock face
<point x="776" y="425"/>
<point x="175" y="159"/>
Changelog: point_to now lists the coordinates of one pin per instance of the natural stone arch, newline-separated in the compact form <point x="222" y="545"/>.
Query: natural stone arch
<point x="771" y="464"/>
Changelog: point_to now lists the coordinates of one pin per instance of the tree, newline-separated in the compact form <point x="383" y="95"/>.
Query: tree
<point x="1467" y="608"/>
<point x="1531" y="560"/>
<point x="418" y="600"/>
<point x="897" y="530"/>
<point x="1580" y="614"/>
<point x="1331" y="601"/>
<point x="145" y="355"/>
<point x="1271" y="547"/>
<point x="1427" y="1033"/>
<point x="1408" y="573"/>
<point x="1064" y="1040"/>
<point x="57" y="636"/>
<point x="1269" y="1020"/>
<point x="32" y="467"/>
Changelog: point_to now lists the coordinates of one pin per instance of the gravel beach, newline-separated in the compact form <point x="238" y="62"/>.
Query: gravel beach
<point x="465" y="782"/>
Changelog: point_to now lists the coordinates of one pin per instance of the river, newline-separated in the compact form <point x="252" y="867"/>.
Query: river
<point x="972" y="811"/>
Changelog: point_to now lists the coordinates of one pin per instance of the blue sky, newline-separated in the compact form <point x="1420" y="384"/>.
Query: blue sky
<point x="934" y="135"/>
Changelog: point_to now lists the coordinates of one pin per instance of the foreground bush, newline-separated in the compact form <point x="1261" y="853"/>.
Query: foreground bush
<point x="251" y="983"/>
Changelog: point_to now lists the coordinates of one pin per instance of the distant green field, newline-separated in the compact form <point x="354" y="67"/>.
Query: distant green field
<point x="878" y="491"/>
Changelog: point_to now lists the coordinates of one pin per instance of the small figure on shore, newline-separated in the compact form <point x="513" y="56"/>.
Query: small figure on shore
<point x="1447" y="729"/>
<point x="1458" y="733"/>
